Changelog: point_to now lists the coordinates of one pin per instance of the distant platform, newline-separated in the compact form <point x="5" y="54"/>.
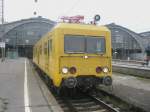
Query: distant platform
<point x="136" y="69"/>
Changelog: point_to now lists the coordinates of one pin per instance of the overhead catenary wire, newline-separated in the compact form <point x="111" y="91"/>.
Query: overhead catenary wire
<point x="73" y="6"/>
<point x="69" y="10"/>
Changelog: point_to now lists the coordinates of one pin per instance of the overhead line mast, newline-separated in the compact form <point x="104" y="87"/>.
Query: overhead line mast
<point x="2" y="31"/>
<point x="2" y="11"/>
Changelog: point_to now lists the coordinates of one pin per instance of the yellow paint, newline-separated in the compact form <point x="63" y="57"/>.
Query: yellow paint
<point x="53" y="63"/>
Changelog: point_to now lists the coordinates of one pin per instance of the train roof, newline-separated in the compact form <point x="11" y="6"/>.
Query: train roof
<point x="80" y="26"/>
<point x="77" y="26"/>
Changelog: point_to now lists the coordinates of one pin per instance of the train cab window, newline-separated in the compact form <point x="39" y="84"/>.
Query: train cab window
<point x="74" y="44"/>
<point x="84" y="44"/>
<point x="95" y="45"/>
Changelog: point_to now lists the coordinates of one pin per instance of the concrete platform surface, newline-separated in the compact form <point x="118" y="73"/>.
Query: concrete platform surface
<point x="21" y="90"/>
<point x="131" y="89"/>
<point x="131" y="65"/>
<point x="132" y="69"/>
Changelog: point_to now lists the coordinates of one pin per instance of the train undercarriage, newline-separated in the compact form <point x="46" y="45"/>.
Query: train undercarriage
<point x="70" y="85"/>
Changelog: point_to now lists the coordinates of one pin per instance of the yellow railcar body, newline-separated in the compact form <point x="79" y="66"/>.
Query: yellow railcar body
<point x="49" y="53"/>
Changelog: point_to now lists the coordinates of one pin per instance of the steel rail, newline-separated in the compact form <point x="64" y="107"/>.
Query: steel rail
<point x="105" y="105"/>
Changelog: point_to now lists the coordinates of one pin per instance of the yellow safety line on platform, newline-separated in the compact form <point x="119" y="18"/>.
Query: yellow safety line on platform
<point x="26" y="93"/>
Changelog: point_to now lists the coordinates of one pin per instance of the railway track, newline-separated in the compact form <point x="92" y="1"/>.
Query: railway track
<point x="85" y="103"/>
<point x="107" y="106"/>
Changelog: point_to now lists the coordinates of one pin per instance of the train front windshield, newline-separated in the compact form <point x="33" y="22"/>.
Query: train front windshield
<point x="84" y="44"/>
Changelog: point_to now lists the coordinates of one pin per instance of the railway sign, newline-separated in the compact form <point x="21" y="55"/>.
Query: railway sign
<point x="2" y="44"/>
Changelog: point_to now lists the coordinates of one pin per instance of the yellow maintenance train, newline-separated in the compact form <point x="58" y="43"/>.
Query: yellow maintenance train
<point x="75" y="55"/>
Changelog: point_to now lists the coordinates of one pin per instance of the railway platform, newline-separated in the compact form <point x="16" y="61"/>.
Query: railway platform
<point x="131" y="64"/>
<point x="136" y="68"/>
<point x="21" y="90"/>
<point x="134" y="90"/>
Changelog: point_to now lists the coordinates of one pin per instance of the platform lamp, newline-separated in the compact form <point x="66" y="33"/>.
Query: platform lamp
<point x="27" y="41"/>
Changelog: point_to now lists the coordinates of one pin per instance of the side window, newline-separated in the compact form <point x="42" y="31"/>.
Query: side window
<point x="40" y="50"/>
<point x="37" y="51"/>
<point x="45" y="48"/>
<point x="49" y="46"/>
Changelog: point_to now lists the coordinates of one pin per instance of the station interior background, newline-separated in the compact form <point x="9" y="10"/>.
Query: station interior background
<point x="20" y="36"/>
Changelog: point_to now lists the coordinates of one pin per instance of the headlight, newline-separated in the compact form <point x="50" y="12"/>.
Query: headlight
<point x="64" y="70"/>
<point x="105" y="69"/>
